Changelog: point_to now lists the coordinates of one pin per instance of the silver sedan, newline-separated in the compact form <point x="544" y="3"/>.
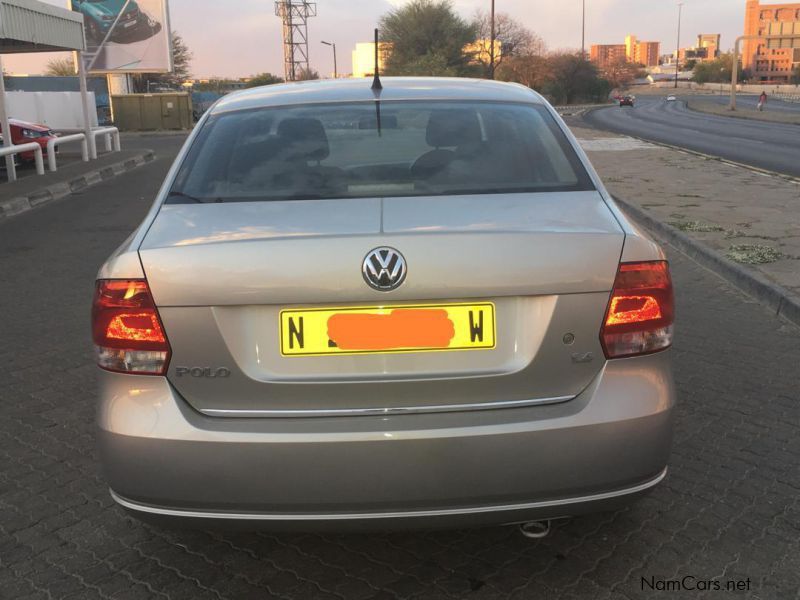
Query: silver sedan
<point x="408" y="306"/>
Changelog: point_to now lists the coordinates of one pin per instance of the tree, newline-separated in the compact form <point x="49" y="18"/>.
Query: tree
<point x="575" y="78"/>
<point x="564" y="77"/>
<point x="532" y="70"/>
<point x="427" y="38"/>
<point x="181" y="59"/>
<point x="515" y="39"/>
<point x="307" y="74"/>
<point x="181" y="69"/>
<point x="263" y="79"/>
<point x="719" y="70"/>
<point x="60" y="67"/>
<point x="619" y="73"/>
<point x="795" y="79"/>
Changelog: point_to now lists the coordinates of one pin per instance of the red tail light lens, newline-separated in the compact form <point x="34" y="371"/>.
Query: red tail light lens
<point x="127" y="331"/>
<point x="641" y="311"/>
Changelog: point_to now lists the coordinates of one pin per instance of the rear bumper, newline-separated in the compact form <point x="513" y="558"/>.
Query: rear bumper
<point x="475" y="515"/>
<point x="600" y="450"/>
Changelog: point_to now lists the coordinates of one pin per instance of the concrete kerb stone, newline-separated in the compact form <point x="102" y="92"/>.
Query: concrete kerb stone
<point x="22" y="204"/>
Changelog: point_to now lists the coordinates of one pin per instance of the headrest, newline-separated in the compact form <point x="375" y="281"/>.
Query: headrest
<point x="457" y="127"/>
<point x="305" y="139"/>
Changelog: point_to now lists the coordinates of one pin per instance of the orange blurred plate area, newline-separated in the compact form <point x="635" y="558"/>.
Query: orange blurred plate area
<point x="387" y="329"/>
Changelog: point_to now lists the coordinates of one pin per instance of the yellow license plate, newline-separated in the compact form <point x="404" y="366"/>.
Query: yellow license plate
<point x="387" y="329"/>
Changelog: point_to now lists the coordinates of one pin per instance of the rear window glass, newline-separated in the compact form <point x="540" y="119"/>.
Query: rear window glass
<point x="378" y="150"/>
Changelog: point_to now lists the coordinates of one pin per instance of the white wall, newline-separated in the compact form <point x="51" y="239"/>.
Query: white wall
<point x="58" y="110"/>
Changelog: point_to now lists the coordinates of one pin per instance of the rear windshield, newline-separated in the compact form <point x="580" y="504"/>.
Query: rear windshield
<point x="378" y="150"/>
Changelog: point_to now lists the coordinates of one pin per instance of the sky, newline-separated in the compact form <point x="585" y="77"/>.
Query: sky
<point x="237" y="38"/>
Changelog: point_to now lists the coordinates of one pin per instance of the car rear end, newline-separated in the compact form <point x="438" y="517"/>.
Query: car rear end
<point x="419" y="311"/>
<point x="26" y="133"/>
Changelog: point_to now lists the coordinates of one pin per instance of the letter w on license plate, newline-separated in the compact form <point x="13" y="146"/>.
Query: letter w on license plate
<point x="387" y="329"/>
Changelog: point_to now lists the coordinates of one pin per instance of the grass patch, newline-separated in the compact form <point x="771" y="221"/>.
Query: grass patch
<point x="735" y="233"/>
<point x="753" y="254"/>
<point x="696" y="226"/>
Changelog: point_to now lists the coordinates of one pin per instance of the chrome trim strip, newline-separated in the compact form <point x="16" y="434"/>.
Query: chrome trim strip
<point x="397" y="410"/>
<point x="170" y="512"/>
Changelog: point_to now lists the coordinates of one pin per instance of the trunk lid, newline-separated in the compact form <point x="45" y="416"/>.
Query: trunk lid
<point x="222" y="273"/>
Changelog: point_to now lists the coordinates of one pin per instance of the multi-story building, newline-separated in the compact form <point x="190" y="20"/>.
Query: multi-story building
<point x="480" y="51"/>
<point x="642" y="53"/>
<point x="364" y="58"/>
<point x="605" y="55"/>
<point x="776" y="59"/>
<point x="711" y="42"/>
<point x="707" y="49"/>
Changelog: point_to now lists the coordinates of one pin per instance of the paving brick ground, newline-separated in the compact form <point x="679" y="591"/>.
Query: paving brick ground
<point x="729" y="510"/>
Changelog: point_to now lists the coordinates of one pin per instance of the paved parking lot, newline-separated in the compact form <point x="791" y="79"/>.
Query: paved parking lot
<point x="729" y="510"/>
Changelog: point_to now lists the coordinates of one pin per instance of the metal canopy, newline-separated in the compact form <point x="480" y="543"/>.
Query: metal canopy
<point x="33" y="26"/>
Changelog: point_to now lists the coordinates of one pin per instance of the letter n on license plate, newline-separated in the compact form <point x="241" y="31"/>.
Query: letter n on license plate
<point x="387" y="329"/>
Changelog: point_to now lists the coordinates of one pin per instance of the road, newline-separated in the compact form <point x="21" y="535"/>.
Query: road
<point x="730" y="508"/>
<point x="773" y="146"/>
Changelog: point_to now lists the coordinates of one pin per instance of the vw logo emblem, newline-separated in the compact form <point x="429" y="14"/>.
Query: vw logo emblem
<point x="384" y="269"/>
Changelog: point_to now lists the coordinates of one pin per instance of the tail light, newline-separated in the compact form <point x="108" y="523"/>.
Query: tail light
<point x="641" y="310"/>
<point x="127" y="331"/>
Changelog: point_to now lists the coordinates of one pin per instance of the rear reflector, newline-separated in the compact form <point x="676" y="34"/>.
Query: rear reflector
<point x="127" y="331"/>
<point x="641" y="311"/>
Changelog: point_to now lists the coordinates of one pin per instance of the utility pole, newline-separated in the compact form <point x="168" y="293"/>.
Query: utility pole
<point x="583" y="31"/>
<point x="335" y="66"/>
<point x="678" y="48"/>
<point x="493" y="36"/>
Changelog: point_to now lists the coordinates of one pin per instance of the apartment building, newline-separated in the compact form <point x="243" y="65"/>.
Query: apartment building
<point x="604" y="55"/>
<point x="772" y="60"/>
<point x="642" y="53"/>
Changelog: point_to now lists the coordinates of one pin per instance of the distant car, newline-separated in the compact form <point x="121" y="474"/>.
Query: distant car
<point x="671" y="98"/>
<point x="626" y="101"/>
<point x="327" y="323"/>
<point x="23" y="132"/>
<point x="99" y="16"/>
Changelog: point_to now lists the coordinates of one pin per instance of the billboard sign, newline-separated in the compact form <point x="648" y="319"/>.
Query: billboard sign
<point x="126" y="36"/>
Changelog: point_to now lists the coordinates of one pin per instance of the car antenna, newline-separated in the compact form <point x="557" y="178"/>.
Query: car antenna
<point x="377" y="86"/>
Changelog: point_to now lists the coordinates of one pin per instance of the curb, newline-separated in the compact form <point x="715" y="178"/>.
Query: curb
<point x="577" y="109"/>
<point x="754" y="285"/>
<point x="55" y="191"/>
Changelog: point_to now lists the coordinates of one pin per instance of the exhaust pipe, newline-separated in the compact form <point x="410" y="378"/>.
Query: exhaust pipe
<point x="535" y="530"/>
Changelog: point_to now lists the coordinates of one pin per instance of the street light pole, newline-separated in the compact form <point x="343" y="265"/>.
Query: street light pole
<point x="493" y="36"/>
<point x="583" y="31"/>
<point x="335" y="66"/>
<point x="678" y="48"/>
